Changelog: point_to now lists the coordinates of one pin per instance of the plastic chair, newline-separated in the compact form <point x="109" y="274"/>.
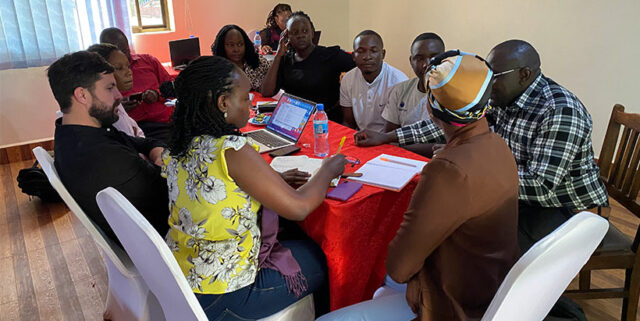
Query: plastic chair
<point x="129" y="297"/>
<point x="528" y="291"/>
<point x="537" y="280"/>
<point x="159" y="268"/>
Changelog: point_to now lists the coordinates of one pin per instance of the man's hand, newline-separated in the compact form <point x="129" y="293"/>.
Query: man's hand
<point x="368" y="137"/>
<point x="150" y="96"/>
<point x="155" y="155"/>
<point x="294" y="177"/>
<point x="413" y="295"/>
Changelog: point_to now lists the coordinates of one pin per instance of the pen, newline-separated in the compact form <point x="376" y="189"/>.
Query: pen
<point x="351" y="175"/>
<point x="341" y="143"/>
<point x="396" y="162"/>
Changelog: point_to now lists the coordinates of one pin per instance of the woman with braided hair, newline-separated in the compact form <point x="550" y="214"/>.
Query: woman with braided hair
<point x="223" y="200"/>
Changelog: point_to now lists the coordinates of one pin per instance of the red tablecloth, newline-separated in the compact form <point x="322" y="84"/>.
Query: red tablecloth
<point x="354" y="235"/>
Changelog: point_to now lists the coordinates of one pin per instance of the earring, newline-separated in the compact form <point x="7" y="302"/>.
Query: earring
<point x="225" y="115"/>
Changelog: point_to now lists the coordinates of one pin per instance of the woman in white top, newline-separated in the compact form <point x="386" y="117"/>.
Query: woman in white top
<point x="124" y="81"/>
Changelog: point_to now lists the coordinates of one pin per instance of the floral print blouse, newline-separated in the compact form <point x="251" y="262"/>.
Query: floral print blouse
<point x="256" y="76"/>
<point x="214" y="233"/>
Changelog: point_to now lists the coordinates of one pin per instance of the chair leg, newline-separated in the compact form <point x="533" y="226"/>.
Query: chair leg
<point x="630" y="303"/>
<point x="584" y="280"/>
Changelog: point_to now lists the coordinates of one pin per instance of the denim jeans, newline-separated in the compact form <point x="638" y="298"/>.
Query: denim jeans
<point x="269" y="293"/>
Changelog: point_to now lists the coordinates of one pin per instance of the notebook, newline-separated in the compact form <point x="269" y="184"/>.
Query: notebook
<point x="389" y="172"/>
<point x="285" y="125"/>
<point x="303" y="163"/>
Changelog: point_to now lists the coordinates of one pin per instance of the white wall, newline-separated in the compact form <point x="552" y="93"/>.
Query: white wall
<point x="589" y="46"/>
<point x="27" y="106"/>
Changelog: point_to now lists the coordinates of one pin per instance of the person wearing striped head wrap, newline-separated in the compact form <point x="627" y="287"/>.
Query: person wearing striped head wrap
<point x="458" y="87"/>
<point x="459" y="238"/>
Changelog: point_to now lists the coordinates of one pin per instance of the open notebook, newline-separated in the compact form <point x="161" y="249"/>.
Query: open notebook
<point x="303" y="163"/>
<point x="389" y="172"/>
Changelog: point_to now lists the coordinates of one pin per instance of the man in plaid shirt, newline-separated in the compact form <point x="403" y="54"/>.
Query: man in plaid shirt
<point x="549" y="132"/>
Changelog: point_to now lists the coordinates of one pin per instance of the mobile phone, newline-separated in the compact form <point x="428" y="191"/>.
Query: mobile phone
<point x="344" y="191"/>
<point x="135" y="97"/>
<point x="284" y="151"/>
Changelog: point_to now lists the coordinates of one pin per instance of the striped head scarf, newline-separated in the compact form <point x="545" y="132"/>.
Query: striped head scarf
<point x="458" y="87"/>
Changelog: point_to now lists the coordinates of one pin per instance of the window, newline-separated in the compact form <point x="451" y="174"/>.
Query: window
<point x="148" y="15"/>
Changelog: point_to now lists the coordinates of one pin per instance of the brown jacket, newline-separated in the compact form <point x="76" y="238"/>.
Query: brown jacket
<point x="458" y="239"/>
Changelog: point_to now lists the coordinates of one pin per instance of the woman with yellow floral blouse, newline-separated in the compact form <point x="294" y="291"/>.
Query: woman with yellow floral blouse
<point x="222" y="238"/>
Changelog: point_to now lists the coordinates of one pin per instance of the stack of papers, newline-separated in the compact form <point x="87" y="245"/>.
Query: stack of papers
<point x="302" y="163"/>
<point x="389" y="172"/>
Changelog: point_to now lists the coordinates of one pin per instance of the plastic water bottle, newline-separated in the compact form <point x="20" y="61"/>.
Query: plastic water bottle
<point x="257" y="42"/>
<point x="320" y="132"/>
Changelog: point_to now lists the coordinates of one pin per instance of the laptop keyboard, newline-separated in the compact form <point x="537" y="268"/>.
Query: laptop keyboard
<point x="267" y="139"/>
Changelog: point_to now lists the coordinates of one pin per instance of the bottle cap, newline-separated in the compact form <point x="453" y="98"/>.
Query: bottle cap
<point x="319" y="107"/>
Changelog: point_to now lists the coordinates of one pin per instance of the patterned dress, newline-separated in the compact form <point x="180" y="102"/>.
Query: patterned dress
<point x="256" y="76"/>
<point x="214" y="233"/>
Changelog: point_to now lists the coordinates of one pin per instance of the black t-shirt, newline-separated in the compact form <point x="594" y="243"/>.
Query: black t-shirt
<point x="89" y="159"/>
<point x="317" y="78"/>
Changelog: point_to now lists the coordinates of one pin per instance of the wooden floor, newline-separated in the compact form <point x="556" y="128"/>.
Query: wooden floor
<point x="50" y="269"/>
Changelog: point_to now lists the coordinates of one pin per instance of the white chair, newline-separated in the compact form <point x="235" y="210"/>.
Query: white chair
<point x="159" y="268"/>
<point x="129" y="297"/>
<point x="537" y="280"/>
<point x="528" y="291"/>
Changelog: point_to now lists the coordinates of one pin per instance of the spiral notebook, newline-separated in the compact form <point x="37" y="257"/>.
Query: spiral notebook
<point x="389" y="172"/>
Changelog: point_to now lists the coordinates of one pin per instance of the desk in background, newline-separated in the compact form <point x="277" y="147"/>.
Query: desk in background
<point x="354" y="235"/>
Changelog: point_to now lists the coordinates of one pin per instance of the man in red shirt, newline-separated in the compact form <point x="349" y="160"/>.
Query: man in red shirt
<point x="148" y="110"/>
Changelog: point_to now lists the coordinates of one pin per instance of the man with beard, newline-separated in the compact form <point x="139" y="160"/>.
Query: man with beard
<point x="364" y="91"/>
<point x="90" y="154"/>
<point x="548" y="131"/>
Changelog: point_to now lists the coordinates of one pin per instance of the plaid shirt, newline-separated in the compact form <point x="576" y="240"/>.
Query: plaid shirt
<point x="549" y="132"/>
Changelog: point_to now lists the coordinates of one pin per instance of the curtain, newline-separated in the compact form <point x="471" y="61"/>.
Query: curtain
<point x="37" y="32"/>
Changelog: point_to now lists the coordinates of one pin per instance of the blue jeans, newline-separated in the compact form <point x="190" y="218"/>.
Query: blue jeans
<point x="269" y="293"/>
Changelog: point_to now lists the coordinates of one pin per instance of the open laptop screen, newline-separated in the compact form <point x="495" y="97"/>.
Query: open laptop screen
<point x="184" y="51"/>
<point x="291" y="116"/>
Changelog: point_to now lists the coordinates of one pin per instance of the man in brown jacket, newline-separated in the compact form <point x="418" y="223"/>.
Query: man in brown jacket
<point x="459" y="236"/>
<point x="458" y="239"/>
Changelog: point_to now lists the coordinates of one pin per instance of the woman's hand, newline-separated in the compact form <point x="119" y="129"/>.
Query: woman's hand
<point x="294" y="177"/>
<point x="335" y="165"/>
<point x="266" y="49"/>
<point x="150" y="96"/>
<point x="283" y="43"/>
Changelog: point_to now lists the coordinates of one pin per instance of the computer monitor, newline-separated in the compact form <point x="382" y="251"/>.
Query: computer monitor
<point x="184" y="51"/>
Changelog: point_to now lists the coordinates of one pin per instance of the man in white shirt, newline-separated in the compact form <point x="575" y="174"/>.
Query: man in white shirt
<point x="408" y="99"/>
<point x="364" y="90"/>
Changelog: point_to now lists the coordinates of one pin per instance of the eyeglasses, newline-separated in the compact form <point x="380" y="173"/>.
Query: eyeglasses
<point x="498" y="74"/>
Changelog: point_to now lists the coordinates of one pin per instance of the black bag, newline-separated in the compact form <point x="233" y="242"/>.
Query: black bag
<point x="33" y="182"/>
<point x="566" y="310"/>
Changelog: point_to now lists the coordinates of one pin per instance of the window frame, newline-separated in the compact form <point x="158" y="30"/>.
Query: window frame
<point x="166" y="26"/>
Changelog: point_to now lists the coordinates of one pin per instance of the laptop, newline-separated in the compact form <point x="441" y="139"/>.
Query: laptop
<point x="183" y="51"/>
<point x="285" y="125"/>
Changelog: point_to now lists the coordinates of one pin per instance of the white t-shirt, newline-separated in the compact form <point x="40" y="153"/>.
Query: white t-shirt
<point x="407" y="104"/>
<point x="368" y="99"/>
